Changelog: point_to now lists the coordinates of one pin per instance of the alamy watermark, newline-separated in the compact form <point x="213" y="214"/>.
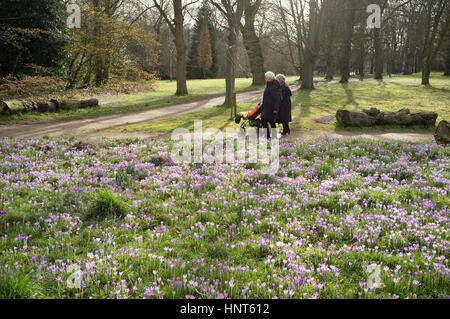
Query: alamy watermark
<point x="374" y="19"/>
<point x="213" y="146"/>
<point x="374" y="276"/>
<point x="74" y="18"/>
<point x="74" y="280"/>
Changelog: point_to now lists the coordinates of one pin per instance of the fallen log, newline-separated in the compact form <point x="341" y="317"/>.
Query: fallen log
<point x="72" y="104"/>
<point x="14" y="107"/>
<point x="354" y="118"/>
<point x="68" y="105"/>
<point x="51" y="106"/>
<point x="442" y="133"/>
<point x="374" y="117"/>
<point x="88" y="103"/>
<point x="3" y="108"/>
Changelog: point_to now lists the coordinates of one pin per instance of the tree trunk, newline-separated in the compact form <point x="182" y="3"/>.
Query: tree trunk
<point x="407" y="68"/>
<point x="330" y="68"/>
<point x="347" y="53"/>
<point x="408" y="53"/>
<point x="170" y="65"/>
<point x="416" y="63"/>
<point x="330" y="37"/>
<point x="255" y="56"/>
<point x="361" y="66"/>
<point x="252" y="43"/>
<point x="426" y="70"/>
<point x="98" y="59"/>
<point x="233" y="17"/>
<point x="308" y="70"/>
<point x="361" y="58"/>
<point x="378" y="45"/>
<point x="447" y="60"/>
<point x="230" y="71"/>
<point x="310" y="52"/>
<point x="435" y="35"/>
<point x="181" y="48"/>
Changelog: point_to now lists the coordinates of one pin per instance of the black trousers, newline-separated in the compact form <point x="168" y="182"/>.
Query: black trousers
<point x="265" y="124"/>
<point x="286" y="128"/>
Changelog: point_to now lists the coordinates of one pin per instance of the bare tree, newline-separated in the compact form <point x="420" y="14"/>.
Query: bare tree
<point x="176" y="26"/>
<point x="385" y="6"/>
<point x="251" y="41"/>
<point x="361" y="39"/>
<point x="378" y="44"/>
<point x="232" y="12"/>
<point x="350" y="6"/>
<point x="292" y="32"/>
<point x="329" y="37"/>
<point x="438" y="22"/>
<point x="311" y="41"/>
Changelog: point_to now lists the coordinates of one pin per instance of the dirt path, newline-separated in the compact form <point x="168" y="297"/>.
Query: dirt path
<point x="96" y="127"/>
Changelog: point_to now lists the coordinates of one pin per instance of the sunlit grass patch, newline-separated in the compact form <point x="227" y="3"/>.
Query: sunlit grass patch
<point x="391" y="94"/>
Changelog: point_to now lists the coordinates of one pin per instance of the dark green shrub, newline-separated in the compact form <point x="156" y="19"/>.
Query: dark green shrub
<point x="159" y="160"/>
<point x="15" y="286"/>
<point x="106" y="204"/>
<point x="122" y="178"/>
<point x="130" y="169"/>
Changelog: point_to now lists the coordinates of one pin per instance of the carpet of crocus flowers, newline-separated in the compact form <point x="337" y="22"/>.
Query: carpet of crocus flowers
<point x="130" y="223"/>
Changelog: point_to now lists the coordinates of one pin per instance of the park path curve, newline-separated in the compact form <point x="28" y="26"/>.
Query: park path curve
<point x="96" y="126"/>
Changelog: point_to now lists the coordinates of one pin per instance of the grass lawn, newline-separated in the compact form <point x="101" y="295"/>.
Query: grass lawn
<point x="339" y="217"/>
<point x="391" y="94"/>
<point x="126" y="103"/>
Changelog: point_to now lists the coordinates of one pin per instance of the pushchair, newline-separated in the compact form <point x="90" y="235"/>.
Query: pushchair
<point x="249" y="119"/>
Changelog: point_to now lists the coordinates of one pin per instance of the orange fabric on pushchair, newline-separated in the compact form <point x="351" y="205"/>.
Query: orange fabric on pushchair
<point x="251" y="113"/>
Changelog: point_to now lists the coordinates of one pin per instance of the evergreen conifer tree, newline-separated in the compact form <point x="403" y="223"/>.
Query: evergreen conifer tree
<point x="194" y="71"/>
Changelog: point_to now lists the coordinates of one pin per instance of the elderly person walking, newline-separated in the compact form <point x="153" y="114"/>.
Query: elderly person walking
<point x="271" y="103"/>
<point x="284" y="115"/>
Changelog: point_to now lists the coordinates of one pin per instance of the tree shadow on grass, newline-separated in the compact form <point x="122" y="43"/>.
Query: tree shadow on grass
<point x="428" y="86"/>
<point x="349" y="94"/>
<point x="381" y="82"/>
<point x="431" y="87"/>
<point x="217" y="115"/>
<point x="303" y="98"/>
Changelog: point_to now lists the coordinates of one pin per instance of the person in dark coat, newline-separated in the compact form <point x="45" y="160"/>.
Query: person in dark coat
<point x="285" y="115"/>
<point x="270" y="103"/>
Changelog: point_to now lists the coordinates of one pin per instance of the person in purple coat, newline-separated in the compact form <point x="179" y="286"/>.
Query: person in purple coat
<point x="271" y="103"/>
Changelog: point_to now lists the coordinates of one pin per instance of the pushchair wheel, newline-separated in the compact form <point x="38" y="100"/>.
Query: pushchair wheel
<point x="238" y="118"/>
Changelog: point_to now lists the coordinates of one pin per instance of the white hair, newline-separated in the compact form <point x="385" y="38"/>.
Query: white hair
<point x="270" y="75"/>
